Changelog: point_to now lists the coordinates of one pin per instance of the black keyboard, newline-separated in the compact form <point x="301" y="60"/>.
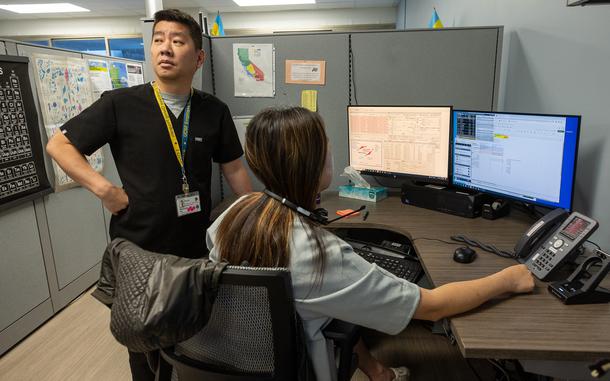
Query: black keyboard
<point x="398" y="264"/>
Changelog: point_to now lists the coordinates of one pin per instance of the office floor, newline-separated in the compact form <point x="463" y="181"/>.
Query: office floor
<point x="77" y="345"/>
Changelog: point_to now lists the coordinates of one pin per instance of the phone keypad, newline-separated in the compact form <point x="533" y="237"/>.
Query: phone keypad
<point x="544" y="260"/>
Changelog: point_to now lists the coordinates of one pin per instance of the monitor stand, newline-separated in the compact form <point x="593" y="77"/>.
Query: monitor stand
<point x="443" y="198"/>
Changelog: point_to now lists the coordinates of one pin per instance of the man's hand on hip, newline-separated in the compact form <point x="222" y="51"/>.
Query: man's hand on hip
<point x="115" y="200"/>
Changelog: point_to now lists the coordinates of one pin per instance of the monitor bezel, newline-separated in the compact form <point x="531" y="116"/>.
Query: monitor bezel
<point x="501" y="195"/>
<point x="397" y="175"/>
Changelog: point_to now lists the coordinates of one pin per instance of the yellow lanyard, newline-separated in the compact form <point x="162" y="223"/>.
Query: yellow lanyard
<point x="172" y="134"/>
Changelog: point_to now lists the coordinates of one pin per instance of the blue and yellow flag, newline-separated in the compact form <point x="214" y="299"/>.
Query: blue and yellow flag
<point x="435" y="21"/>
<point x="217" y="28"/>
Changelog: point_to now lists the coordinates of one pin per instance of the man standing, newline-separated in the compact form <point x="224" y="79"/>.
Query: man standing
<point x="163" y="136"/>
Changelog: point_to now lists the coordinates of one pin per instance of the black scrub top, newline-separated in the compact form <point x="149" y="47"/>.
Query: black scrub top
<point x="131" y="122"/>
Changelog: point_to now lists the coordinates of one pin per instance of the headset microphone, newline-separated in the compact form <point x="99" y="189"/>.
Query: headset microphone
<point x="314" y="216"/>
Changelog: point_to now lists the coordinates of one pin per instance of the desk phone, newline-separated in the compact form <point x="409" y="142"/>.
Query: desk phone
<point x="552" y="240"/>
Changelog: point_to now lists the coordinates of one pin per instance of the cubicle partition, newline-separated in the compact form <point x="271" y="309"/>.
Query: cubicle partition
<point x="50" y="248"/>
<point x="452" y="66"/>
<point x="209" y="86"/>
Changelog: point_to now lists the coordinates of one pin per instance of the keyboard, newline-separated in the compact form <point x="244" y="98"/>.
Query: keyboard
<point x="398" y="264"/>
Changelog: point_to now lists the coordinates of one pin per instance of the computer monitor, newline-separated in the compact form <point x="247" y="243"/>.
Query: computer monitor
<point x="527" y="157"/>
<point x="400" y="141"/>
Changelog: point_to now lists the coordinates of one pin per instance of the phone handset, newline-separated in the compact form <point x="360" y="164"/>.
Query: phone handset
<point x="538" y="231"/>
<point x="557" y="246"/>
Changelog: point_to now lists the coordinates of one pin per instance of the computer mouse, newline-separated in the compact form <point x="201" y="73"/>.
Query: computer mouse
<point x="464" y="254"/>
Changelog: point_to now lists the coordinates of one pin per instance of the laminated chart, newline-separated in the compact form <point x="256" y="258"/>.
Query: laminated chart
<point x="22" y="171"/>
<point x="64" y="90"/>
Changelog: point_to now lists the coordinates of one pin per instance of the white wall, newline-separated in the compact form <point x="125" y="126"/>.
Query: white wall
<point x="103" y="26"/>
<point x="264" y="22"/>
<point x="268" y="22"/>
<point x="556" y="59"/>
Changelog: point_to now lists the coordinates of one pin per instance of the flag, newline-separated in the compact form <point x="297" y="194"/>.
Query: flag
<point x="435" y="21"/>
<point x="217" y="28"/>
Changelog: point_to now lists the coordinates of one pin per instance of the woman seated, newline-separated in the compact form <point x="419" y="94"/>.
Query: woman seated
<point x="288" y="150"/>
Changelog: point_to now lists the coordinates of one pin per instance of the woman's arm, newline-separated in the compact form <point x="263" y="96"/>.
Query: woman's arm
<point x="454" y="298"/>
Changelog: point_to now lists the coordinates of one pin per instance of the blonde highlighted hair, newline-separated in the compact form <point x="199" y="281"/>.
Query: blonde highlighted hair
<point x="286" y="149"/>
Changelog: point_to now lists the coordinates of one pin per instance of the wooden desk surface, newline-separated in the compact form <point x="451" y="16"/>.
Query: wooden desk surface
<point x="530" y="326"/>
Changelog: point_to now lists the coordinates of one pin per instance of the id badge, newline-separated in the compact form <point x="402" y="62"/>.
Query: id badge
<point x="188" y="203"/>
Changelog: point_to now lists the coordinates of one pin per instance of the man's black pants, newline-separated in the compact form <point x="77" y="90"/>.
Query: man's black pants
<point x="140" y="368"/>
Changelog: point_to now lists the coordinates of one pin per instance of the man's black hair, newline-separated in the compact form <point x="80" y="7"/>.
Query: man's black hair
<point x="176" y="15"/>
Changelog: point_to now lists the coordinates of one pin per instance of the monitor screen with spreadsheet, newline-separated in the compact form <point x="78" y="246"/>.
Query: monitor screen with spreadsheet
<point x="527" y="157"/>
<point x="400" y="141"/>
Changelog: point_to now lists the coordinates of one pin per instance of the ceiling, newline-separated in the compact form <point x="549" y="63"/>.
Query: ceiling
<point x="136" y="8"/>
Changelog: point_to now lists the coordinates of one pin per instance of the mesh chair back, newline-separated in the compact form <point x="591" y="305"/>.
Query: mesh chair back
<point x="251" y="334"/>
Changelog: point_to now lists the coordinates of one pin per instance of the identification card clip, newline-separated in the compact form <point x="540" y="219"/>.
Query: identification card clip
<point x="188" y="203"/>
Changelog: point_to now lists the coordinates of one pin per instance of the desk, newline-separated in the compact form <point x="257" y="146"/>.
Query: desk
<point x="533" y="326"/>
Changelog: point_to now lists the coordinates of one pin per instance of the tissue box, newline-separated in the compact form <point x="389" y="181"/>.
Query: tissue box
<point x="373" y="194"/>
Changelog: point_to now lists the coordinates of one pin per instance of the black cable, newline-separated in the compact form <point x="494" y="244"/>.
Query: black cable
<point x="352" y="75"/>
<point x="212" y="67"/>
<point x="501" y="368"/>
<point x="354" y="78"/>
<point x="349" y="59"/>
<point x="594" y="244"/>
<point x="436" y="239"/>
<point x="471" y="242"/>
<point x="484" y="246"/>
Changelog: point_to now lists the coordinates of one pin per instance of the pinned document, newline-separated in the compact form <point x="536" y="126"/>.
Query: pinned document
<point x="309" y="100"/>
<point x="254" y="70"/>
<point x="306" y="72"/>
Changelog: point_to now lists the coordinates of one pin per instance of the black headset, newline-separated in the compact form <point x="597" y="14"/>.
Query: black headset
<point x="319" y="215"/>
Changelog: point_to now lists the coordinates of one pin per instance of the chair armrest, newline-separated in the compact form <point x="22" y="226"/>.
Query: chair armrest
<point x="341" y="331"/>
<point x="344" y="336"/>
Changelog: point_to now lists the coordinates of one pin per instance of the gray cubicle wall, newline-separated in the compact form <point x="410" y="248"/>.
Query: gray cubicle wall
<point x="453" y="66"/>
<point x="51" y="247"/>
<point x="75" y="217"/>
<point x="332" y="97"/>
<point x="208" y="86"/>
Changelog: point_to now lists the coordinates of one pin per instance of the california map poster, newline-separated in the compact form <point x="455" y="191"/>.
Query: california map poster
<point x="254" y="70"/>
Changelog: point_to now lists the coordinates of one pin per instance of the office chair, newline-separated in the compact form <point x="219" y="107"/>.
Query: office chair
<point x="254" y="334"/>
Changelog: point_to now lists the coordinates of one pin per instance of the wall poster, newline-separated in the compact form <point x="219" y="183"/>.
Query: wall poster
<point x="305" y="72"/>
<point x="22" y="171"/>
<point x="135" y="74"/>
<point x="118" y="74"/>
<point x="254" y="70"/>
<point x="64" y="90"/>
<point x="100" y="77"/>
